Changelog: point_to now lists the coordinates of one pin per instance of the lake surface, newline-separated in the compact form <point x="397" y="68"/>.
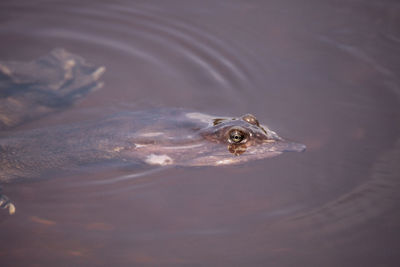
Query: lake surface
<point x="323" y="73"/>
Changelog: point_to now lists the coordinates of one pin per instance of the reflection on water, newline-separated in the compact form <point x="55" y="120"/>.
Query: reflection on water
<point x="323" y="73"/>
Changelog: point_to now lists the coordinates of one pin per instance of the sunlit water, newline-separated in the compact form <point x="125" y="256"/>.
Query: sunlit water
<point x="324" y="73"/>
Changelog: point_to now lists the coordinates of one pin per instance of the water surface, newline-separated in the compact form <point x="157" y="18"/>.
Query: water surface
<point x="323" y="73"/>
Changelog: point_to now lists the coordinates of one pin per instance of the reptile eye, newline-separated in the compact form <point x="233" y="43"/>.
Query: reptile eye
<point x="236" y="136"/>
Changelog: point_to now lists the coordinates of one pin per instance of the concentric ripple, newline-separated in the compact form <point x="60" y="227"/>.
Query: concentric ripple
<point x="179" y="49"/>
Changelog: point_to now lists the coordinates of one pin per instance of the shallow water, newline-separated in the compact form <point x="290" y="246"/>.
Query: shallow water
<point x="324" y="73"/>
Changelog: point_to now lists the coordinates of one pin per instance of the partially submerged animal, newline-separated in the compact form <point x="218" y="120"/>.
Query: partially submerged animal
<point x="155" y="137"/>
<point x="30" y="90"/>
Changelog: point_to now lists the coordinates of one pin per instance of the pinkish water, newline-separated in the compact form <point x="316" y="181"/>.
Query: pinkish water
<point x="323" y="73"/>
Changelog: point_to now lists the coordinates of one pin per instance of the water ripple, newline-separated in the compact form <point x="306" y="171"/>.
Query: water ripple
<point x="168" y="43"/>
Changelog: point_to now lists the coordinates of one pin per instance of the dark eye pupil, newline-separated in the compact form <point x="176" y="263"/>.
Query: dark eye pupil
<point x="236" y="136"/>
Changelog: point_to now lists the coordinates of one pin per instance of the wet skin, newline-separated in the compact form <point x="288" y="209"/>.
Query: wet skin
<point x="154" y="137"/>
<point x="31" y="90"/>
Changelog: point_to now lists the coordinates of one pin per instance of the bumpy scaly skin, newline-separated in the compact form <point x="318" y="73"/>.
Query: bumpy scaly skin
<point x="30" y="90"/>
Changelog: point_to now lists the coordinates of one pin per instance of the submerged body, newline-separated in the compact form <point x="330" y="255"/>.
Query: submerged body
<point x="153" y="137"/>
<point x="156" y="137"/>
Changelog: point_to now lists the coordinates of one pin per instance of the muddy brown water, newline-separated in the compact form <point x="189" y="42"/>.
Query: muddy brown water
<point x="324" y="73"/>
